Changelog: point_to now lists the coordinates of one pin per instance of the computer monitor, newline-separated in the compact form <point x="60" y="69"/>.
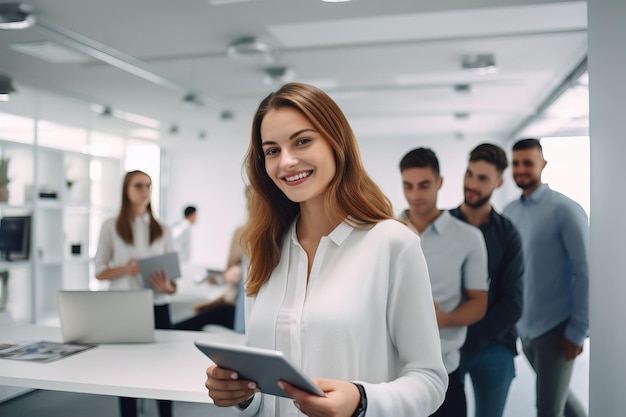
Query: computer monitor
<point x="15" y="237"/>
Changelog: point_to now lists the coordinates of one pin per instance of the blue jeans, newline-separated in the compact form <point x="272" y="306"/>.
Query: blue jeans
<point x="553" y="375"/>
<point x="491" y="371"/>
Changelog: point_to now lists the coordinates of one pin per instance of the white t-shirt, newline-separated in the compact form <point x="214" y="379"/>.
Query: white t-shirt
<point x="114" y="252"/>
<point x="181" y="233"/>
<point x="366" y="314"/>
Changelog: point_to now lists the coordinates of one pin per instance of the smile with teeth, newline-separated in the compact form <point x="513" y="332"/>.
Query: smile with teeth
<point x="298" y="176"/>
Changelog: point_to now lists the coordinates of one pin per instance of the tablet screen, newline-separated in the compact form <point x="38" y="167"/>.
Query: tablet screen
<point x="263" y="366"/>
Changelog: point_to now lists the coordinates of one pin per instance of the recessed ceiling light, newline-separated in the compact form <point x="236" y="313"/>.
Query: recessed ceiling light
<point x="108" y="111"/>
<point x="479" y="63"/>
<point x="248" y="47"/>
<point x="279" y="75"/>
<point x="192" y="100"/>
<point x="6" y="87"/>
<point x="14" y="16"/>
<point x="463" y="88"/>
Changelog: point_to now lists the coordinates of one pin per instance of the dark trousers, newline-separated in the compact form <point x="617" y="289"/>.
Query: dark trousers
<point x="128" y="406"/>
<point x="454" y="404"/>
<point x="223" y="314"/>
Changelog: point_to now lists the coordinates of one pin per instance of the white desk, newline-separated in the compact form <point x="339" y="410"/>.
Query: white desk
<point x="172" y="368"/>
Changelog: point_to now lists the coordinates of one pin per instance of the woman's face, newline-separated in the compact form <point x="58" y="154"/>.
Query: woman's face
<point x="138" y="190"/>
<point x="298" y="159"/>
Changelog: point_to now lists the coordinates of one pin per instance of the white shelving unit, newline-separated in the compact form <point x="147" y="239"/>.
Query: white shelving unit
<point x="65" y="223"/>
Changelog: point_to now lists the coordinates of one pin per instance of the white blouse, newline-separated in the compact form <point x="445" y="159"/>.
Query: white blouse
<point x="365" y="315"/>
<point x="114" y="252"/>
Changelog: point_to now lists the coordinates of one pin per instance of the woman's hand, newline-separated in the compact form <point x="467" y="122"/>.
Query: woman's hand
<point x="161" y="282"/>
<point x="342" y="398"/>
<point x="225" y="388"/>
<point x="132" y="267"/>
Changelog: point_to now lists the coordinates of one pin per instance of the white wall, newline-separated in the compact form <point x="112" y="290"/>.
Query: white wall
<point x="209" y="176"/>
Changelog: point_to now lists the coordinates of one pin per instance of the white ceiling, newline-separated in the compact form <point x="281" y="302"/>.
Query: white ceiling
<point x="391" y="64"/>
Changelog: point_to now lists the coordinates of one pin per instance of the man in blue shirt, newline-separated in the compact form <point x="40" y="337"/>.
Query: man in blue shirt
<point x="555" y="316"/>
<point x="490" y="347"/>
<point x="456" y="256"/>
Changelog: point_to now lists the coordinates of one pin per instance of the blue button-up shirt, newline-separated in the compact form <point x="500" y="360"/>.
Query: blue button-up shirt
<point x="555" y="238"/>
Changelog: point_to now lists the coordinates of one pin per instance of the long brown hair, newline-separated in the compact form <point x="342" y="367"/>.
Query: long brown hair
<point x="351" y="195"/>
<point x="123" y="224"/>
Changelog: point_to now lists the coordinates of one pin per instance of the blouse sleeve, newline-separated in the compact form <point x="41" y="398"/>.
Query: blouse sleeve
<point x="421" y="385"/>
<point x="104" y="252"/>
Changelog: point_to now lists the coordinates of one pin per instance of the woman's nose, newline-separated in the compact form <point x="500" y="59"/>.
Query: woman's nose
<point x="288" y="159"/>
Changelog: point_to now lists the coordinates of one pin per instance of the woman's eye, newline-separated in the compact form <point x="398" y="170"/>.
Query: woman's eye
<point x="271" y="151"/>
<point x="303" y="141"/>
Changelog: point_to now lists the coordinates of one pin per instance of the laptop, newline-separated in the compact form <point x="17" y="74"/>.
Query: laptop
<point x="106" y="316"/>
<point x="168" y="263"/>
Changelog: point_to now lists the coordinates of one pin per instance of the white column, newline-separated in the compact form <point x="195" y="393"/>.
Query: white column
<point x="607" y="73"/>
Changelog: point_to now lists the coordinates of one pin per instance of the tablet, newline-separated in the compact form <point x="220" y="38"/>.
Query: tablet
<point x="263" y="366"/>
<point x="168" y="263"/>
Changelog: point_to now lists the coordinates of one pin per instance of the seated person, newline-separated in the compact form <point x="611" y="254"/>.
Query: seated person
<point x="220" y="311"/>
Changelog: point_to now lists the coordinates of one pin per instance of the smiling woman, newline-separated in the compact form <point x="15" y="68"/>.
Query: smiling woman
<point x="330" y="270"/>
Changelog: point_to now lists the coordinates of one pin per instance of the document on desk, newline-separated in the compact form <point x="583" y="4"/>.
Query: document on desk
<point x="42" y="352"/>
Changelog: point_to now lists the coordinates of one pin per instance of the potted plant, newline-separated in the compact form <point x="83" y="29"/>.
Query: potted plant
<point x="4" y="178"/>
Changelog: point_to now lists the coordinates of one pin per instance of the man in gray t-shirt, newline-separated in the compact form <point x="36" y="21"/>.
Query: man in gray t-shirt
<point x="456" y="255"/>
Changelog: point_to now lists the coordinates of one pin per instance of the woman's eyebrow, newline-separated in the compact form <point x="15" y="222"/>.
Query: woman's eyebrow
<point x="299" y="132"/>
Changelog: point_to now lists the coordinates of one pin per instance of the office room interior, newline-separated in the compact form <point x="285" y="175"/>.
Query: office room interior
<point x="100" y="88"/>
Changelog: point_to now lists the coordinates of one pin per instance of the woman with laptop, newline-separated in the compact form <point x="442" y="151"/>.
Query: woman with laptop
<point x="335" y="282"/>
<point x="132" y="235"/>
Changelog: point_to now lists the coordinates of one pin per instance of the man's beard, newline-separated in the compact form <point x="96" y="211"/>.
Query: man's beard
<point x="528" y="185"/>
<point x="479" y="203"/>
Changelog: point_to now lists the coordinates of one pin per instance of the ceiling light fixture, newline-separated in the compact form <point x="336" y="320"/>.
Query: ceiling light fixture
<point x="227" y="116"/>
<point x="248" y="47"/>
<point x="14" y="16"/>
<point x="279" y="75"/>
<point x="479" y="63"/>
<point x="462" y="88"/>
<point x="107" y="111"/>
<point x="6" y="88"/>
<point x="192" y="100"/>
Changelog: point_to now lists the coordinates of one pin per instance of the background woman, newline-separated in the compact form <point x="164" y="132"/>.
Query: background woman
<point x="135" y="234"/>
<point x="334" y="281"/>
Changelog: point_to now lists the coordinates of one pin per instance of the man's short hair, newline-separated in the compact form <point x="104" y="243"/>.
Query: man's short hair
<point x="420" y="158"/>
<point x="490" y="153"/>
<point x="529" y="143"/>
<point x="189" y="210"/>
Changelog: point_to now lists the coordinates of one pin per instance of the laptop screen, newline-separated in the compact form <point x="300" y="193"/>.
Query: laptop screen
<point x="106" y="316"/>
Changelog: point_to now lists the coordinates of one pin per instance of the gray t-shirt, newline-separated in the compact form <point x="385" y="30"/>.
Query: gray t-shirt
<point x="456" y="256"/>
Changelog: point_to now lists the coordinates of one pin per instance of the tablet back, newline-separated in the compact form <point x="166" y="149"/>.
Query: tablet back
<point x="168" y="262"/>
<point x="106" y="316"/>
<point x="263" y="366"/>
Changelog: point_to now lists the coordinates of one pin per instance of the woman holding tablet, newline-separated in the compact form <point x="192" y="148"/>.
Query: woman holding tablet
<point x="135" y="234"/>
<point x="335" y="283"/>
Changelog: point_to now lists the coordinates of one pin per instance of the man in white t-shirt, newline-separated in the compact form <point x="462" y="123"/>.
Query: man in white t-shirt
<point x="181" y="233"/>
<point x="456" y="256"/>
